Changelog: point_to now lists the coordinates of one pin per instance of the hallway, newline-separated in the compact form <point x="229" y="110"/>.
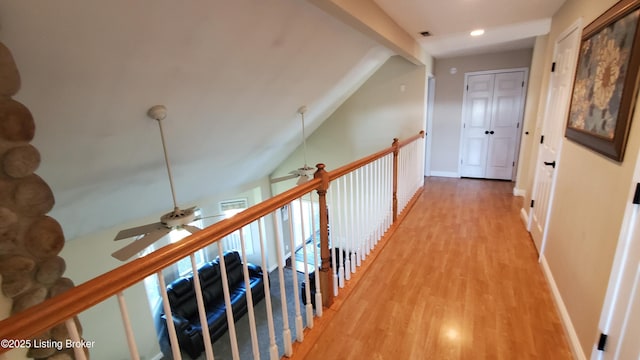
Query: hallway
<point x="458" y="280"/>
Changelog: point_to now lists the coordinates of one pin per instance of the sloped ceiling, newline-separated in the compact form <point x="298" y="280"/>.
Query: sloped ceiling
<point x="231" y="73"/>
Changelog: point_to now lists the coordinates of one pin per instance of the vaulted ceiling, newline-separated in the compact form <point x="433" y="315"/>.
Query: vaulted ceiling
<point x="231" y="73"/>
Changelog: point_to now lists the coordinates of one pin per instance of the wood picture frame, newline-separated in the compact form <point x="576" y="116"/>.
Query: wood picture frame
<point x="606" y="81"/>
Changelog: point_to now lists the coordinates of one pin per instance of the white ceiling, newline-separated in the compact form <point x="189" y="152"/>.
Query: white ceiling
<point x="508" y="24"/>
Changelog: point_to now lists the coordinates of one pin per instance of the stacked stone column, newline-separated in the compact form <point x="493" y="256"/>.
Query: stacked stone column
<point x="30" y="241"/>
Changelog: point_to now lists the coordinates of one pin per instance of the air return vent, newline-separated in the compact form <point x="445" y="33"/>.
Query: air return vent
<point x="237" y="204"/>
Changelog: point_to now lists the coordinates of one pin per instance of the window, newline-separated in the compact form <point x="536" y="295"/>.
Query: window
<point x="183" y="267"/>
<point x="304" y="218"/>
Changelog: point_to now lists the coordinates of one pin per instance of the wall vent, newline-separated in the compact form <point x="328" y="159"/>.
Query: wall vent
<point x="236" y="204"/>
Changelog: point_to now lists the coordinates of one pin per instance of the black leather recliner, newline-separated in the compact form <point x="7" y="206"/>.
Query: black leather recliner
<point x="184" y="308"/>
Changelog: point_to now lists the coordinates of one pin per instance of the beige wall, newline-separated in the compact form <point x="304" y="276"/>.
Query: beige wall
<point x="591" y="193"/>
<point x="368" y="121"/>
<point x="447" y="115"/>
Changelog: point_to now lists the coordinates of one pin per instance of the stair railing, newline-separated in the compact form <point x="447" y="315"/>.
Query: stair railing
<point x="360" y="200"/>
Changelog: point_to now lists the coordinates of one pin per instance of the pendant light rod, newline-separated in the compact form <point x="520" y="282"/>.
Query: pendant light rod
<point x="301" y="111"/>
<point x="159" y="113"/>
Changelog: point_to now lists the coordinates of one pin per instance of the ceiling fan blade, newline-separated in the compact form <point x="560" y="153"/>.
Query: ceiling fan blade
<point x="190" y="228"/>
<point x="209" y="217"/>
<point x="138" y="230"/>
<point x="283" y="178"/>
<point x="140" y="244"/>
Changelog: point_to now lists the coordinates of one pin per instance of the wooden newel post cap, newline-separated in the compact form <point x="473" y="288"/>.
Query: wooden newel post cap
<point x="320" y="171"/>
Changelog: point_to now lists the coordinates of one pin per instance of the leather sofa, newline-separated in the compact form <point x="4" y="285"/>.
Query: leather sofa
<point x="184" y="308"/>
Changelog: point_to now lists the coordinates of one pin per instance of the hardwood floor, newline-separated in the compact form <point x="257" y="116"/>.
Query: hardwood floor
<point x="459" y="279"/>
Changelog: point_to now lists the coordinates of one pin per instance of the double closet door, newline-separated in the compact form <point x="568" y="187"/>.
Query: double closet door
<point x="492" y="114"/>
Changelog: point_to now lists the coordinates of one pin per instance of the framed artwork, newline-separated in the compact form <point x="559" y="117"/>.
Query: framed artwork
<point x="606" y="83"/>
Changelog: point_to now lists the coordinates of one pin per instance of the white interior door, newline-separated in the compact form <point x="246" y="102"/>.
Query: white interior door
<point x="477" y="121"/>
<point x="508" y="99"/>
<point x="492" y="113"/>
<point x="558" y="98"/>
<point x="620" y="318"/>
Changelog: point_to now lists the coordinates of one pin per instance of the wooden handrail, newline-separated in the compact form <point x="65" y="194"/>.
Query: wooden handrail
<point x="55" y="310"/>
<point x="343" y="170"/>
<point x="37" y="319"/>
<point x="411" y="139"/>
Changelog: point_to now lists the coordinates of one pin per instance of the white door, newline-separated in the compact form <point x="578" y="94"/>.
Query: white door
<point x="620" y="318"/>
<point x="508" y="101"/>
<point x="558" y="98"/>
<point x="477" y="121"/>
<point x="492" y="112"/>
<point x="622" y="341"/>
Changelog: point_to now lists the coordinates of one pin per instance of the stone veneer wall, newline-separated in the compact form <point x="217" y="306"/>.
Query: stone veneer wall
<point x="30" y="241"/>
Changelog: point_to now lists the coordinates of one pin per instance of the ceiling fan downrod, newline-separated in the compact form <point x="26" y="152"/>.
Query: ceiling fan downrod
<point x="159" y="113"/>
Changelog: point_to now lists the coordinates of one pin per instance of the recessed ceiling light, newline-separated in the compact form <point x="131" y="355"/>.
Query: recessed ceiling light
<point x="477" y="32"/>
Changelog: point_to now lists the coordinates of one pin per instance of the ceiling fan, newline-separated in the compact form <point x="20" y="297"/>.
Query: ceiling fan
<point x="176" y="219"/>
<point x="306" y="172"/>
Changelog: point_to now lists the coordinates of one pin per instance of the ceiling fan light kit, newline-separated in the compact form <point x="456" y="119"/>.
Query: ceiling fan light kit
<point x="176" y="219"/>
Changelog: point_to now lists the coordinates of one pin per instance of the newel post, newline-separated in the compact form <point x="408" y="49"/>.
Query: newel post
<point x="396" y="152"/>
<point x="326" y="280"/>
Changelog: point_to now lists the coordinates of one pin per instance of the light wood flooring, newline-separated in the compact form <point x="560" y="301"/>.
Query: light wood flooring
<point x="459" y="279"/>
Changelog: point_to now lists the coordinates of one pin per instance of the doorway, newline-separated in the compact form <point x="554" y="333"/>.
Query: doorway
<point x="548" y="159"/>
<point x="492" y="111"/>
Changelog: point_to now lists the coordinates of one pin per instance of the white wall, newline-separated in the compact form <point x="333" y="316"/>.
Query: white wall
<point x="447" y="115"/>
<point x="390" y="104"/>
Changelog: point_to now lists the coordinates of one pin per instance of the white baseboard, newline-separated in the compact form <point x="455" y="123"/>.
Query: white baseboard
<point x="574" y="342"/>
<point x="525" y="218"/>
<point x="449" y="174"/>
<point x="519" y="192"/>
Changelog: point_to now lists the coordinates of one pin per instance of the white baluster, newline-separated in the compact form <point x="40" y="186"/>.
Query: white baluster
<point x="317" y="261"/>
<point x="208" y="350"/>
<point x="233" y="339"/>
<point x="131" y="341"/>
<point x="350" y="264"/>
<point x="286" y="331"/>
<point x="359" y="218"/>
<point x="307" y="288"/>
<point x="249" y="297"/>
<point x="341" y="206"/>
<point x="366" y="211"/>
<point x="333" y="237"/>
<point x="273" y="346"/>
<point x="78" y="351"/>
<point x="296" y="298"/>
<point x="173" y="338"/>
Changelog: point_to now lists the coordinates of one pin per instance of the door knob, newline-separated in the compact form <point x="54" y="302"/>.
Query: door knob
<point x="486" y="132"/>
<point x="552" y="164"/>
